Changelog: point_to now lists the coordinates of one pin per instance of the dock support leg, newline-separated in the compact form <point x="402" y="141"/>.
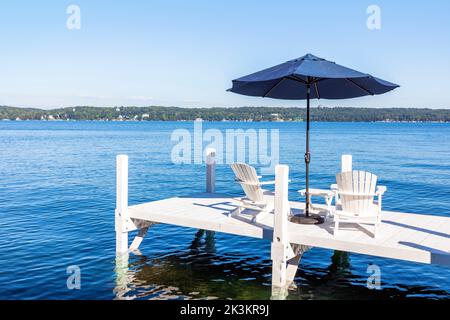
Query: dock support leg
<point x="210" y="170"/>
<point x="285" y="255"/>
<point x="138" y="239"/>
<point x="281" y="248"/>
<point x="121" y="220"/>
<point x="346" y="163"/>
<point x="143" y="227"/>
<point x="121" y="242"/>
<point x="279" y="268"/>
<point x="121" y="204"/>
<point x="124" y="223"/>
<point x="292" y="264"/>
<point x="122" y="276"/>
<point x="285" y="265"/>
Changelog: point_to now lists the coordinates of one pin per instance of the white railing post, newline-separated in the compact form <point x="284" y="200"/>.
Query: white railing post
<point x="210" y="170"/>
<point x="280" y="242"/>
<point x="346" y="163"/>
<point x="121" y="203"/>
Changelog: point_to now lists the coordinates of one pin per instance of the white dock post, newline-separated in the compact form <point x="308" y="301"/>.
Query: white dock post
<point x="121" y="203"/>
<point x="280" y="243"/>
<point x="211" y="170"/>
<point x="346" y="163"/>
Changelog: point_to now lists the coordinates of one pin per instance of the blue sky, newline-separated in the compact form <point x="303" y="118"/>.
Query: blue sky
<point x="186" y="53"/>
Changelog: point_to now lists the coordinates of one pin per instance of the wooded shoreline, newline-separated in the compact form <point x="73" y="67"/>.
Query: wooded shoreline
<point x="250" y="114"/>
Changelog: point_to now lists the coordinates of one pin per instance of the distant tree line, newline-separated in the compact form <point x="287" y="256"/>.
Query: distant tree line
<point x="158" y="113"/>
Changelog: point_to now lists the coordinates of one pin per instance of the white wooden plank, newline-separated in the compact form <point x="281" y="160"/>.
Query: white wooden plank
<point x="412" y="237"/>
<point x="410" y="229"/>
<point x="439" y="238"/>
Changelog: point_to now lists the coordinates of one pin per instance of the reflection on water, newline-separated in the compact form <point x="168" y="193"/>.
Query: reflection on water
<point x="200" y="273"/>
<point x="197" y="273"/>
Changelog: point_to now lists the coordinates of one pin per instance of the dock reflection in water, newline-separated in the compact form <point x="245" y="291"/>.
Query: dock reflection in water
<point x="200" y="273"/>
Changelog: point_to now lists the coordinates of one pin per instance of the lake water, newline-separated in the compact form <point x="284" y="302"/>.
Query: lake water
<point x="57" y="200"/>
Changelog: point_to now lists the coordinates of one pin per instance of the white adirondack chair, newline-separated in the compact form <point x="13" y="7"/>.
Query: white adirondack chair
<point x="256" y="198"/>
<point x="356" y="190"/>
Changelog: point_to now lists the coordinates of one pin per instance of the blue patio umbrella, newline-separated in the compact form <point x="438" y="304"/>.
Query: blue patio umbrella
<point x="310" y="77"/>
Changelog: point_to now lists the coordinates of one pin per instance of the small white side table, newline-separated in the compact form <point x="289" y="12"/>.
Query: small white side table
<point x="326" y="194"/>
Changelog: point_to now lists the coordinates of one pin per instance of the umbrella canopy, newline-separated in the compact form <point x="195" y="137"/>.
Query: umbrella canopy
<point x="310" y="77"/>
<point x="327" y="79"/>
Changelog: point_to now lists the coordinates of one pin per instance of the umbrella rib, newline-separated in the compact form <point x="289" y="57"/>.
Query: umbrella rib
<point x="273" y="87"/>
<point x="297" y="79"/>
<point x="360" y="87"/>
<point x="320" y="79"/>
<point x="317" y="90"/>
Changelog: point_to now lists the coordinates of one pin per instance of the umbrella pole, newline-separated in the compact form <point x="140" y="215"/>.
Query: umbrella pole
<point x="307" y="218"/>
<point x="307" y="153"/>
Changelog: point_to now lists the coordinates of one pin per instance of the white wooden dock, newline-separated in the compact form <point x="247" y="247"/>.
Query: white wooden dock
<point x="405" y="236"/>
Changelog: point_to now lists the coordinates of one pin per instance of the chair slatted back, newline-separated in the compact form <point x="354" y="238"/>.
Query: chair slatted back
<point x="248" y="179"/>
<point x="362" y="185"/>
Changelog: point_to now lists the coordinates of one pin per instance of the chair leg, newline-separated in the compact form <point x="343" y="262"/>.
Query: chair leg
<point x="257" y="218"/>
<point x="336" y="226"/>
<point x="328" y="201"/>
<point x="377" y="227"/>
<point x="235" y="212"/>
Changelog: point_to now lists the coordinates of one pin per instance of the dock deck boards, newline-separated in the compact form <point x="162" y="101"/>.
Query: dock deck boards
<point x="405" y="236"/>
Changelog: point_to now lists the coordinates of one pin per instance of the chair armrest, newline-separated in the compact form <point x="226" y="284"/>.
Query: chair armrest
<point x="381" y="190"/>
<point x="320" y="192"/>
<point x="249" y="184"/>
<point x="356" y="194"/>
<point x="261" y="183"/>
<point x="246" y="183"/>
<point x="264" y="183"/>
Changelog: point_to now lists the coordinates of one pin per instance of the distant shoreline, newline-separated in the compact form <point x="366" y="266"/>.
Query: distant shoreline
<point x="235" y="114"/>
<point x="206" y="121"/>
